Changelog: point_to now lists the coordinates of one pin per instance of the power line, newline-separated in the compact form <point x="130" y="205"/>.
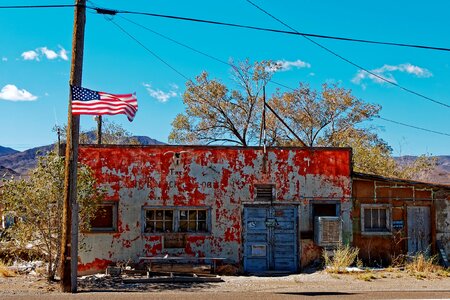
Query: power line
<point x="195" y="50"/>
<point x="37" y="6"/>
<point x="150" y="51"/>
<point x="181" y="74"/>
<point x="349" y="61"/>
<point x="412" y="126"/>
<point x="293" y="32"/>
<point x="322" y="36"/>
<point x="231" y="65"/>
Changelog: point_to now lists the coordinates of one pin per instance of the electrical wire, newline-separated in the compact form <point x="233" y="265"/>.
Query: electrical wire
<point x="37" y="6"/>
<point x="322" y="36"/>
<point x="293" y="32"/>
<point x="349" y="61"/>
<point x="150" y="51"/>
<point x="412" y="126"/>
<point x="195" y="50"/>
<point x="231" y="65"/>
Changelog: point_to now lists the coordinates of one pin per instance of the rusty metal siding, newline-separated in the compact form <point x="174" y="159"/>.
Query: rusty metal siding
<point x="402" y="197"/>
<point x="219" y="178"/>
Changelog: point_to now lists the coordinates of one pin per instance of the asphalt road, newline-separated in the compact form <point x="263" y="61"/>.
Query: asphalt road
<point x="242" y="295"/>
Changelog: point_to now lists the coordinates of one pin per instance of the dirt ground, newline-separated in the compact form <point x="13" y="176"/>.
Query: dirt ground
<point x="316" y="283"/>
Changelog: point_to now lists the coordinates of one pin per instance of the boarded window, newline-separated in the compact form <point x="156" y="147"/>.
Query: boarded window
<point x="105" y="217"/>
<point x="264" y="192"/>
<point x="376" y="218"/>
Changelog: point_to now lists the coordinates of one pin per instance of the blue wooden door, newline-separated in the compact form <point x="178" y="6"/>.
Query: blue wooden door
<point x="270" y="238"/>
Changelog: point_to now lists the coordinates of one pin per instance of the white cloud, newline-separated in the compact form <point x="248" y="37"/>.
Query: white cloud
<point x="45" y="52"/>
<point x="63" y="53"/>
<point x="12" y="93"/>
<point x="50" y="54"/>
<point x="30" y="55"/>
<point x="386" y="73"/>
<point x="4" y="59"/>
<point x="160" y="95"/>
<point x="285" y="65"/>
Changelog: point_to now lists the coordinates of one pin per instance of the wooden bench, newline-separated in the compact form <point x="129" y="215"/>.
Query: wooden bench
<point x="149" y="260"/>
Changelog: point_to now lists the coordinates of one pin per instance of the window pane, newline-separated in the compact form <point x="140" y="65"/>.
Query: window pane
<point x="183" y="226"/>
<point x="382" y="218"/>
<point x="375" y="217"/>
<point x="183" y="214"/>
<point x="150" y="214"/>
<point x="149" y="227"/>
<point x="202" y="215"/>
<point x="159" y="214"/>
<point x="104" y="217"/>
<point x="202" y="226"/>
<point x="168" y="215"/>
<point x="159" y="226"/>
<point x="168" y="226"/>
<point x="193" y="215"/>
<point x="367" y="219"/>
<point x="192" y="226"/>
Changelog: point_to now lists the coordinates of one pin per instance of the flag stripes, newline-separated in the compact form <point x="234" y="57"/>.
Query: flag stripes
<point x="88" y="102"/>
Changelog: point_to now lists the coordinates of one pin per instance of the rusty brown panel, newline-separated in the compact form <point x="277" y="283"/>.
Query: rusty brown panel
<point x="310" y="252"/>
<point x="423" y="194"/>
<point x="363" y="189"/>
<point x="394" y="192"/>
<point x="397" y="213"/>
<point x="376" y="249"/>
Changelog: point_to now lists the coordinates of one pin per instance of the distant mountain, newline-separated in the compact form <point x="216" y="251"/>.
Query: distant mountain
<point x="21" y="162"/>
<point x="6" y="151"/>
<point x="145" y="140"/>
<point x="6" y="172"/>
<point x="441" y="174"/>
<point x="18" y="163"/>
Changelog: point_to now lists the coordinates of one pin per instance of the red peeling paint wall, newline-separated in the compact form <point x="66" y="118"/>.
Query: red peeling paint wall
<point x="219" y="178"/>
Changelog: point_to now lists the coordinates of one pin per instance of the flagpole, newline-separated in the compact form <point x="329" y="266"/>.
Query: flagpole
<point x="69" y="233"/>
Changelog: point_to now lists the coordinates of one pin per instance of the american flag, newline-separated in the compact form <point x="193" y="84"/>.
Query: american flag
<point x="88" y="102"/>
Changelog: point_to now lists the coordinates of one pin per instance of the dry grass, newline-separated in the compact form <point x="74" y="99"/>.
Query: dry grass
<point x="5" y="272"/>
<point x="423" y="267"/>
<point x="369" y="276"/>
<point x="342" y="258"/>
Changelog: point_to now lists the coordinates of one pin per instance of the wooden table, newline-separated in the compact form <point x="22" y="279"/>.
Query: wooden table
<point x="174" y="259"/>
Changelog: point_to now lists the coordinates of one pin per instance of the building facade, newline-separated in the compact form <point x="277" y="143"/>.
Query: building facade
<point x="252" y="207"/>
<point x="393" y="216"/>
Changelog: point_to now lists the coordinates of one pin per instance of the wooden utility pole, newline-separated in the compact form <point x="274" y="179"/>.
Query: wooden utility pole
<point x="69" y="235"/>
<point x="99" y="130"/>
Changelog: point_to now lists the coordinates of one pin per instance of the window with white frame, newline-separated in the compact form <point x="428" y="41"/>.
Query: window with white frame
<point x="375" y="218"/>
<point x="182" y="219"/>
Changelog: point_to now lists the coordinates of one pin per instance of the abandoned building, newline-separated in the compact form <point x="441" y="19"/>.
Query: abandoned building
<point x="271" y="209"/>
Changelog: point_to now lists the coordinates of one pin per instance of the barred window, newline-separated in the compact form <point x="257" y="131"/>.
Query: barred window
<point x="375" y="218"/>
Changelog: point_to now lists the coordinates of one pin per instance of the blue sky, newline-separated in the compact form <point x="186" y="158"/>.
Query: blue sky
<point x="36" y="43"/>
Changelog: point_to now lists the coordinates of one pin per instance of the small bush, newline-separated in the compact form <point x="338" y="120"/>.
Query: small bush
<point x="342" y="258"/>
<point x="423" y="267"/>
